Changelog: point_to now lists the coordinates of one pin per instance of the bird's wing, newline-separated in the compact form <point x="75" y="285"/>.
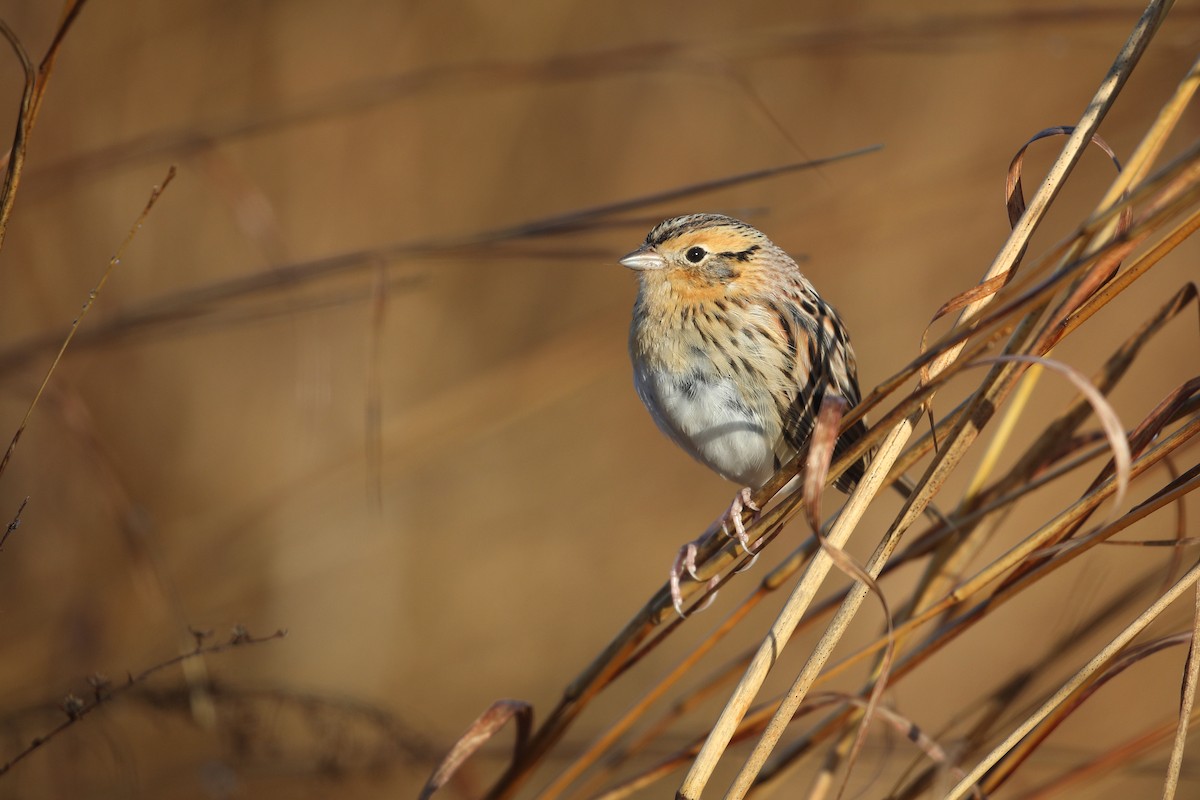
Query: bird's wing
<point x="823" y="360"/>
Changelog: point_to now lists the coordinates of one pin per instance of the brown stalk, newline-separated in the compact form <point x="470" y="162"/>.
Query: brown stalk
<point x="1047" y="445"/>
<point x="31" y="103"/>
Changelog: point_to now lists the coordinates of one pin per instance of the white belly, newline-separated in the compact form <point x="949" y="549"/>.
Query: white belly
<point x="708" y="417"/>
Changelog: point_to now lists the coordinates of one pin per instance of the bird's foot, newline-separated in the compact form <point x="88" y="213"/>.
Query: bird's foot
<point x="685" y="561"/>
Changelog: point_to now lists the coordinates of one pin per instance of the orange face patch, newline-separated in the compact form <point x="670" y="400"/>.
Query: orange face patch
<point x="693" y="286"/>
<point x="708" y="279"/>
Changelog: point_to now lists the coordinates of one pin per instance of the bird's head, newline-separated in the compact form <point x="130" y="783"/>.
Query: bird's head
<point x="705" y="254"/>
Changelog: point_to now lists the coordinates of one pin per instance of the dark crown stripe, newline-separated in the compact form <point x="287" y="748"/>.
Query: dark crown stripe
<point x="680" y="225"/>
<point x="740" y="255"/>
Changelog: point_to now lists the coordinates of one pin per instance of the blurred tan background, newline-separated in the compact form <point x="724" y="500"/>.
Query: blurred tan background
<point x="432" y="468"/>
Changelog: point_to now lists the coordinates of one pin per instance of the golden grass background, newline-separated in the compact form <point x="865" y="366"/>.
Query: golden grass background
<point x="514" y="505"/>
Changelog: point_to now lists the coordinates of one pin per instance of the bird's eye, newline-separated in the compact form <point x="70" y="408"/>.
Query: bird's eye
<point x="695" y="254"/>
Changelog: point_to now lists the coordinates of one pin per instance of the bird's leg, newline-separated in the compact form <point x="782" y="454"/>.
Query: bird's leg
<point x="685" y="561"/>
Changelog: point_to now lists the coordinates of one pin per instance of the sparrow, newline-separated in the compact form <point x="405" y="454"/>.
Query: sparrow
<point x="733" y="351"/>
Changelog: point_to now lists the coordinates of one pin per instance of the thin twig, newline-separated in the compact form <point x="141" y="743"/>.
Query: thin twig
<point x="16" y="523"/>
<point x="87" y="306"/>
<point x="103" y="691"/>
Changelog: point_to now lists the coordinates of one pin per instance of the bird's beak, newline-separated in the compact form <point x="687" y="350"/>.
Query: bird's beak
<point x="644" y="258"/>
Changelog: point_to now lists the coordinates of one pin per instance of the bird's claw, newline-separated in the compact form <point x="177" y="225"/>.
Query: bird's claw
<point x="733" y="518"/>
<point x="685" y="561"/>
